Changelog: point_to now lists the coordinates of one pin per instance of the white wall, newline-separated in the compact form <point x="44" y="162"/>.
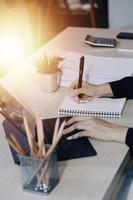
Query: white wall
<point x="120" y="13"/>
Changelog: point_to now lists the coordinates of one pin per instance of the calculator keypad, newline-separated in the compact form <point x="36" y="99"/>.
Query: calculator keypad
<point x="100" y="41"/>
<point x="105" y="41"/>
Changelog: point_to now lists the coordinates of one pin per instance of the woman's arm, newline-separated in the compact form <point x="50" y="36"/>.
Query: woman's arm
<point x="117" y="89"/>
<point x="96" y="128"/>
<point x="89" y="91"/>
<point x="129" y="139"/>
<point x="99" y="129"/>
<point x="123" y="88"/>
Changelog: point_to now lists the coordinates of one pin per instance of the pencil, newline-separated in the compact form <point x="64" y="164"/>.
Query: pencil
<point x="40" y="150"/>
<point x="59" y="135"/>
<point x="56" y="130"/>
<point x="30" y="137"/>
<point x="81" y="69"/>
<point x="40" y="136"/>
<point x="14" y="139"/>
<point x="14" y="147"/>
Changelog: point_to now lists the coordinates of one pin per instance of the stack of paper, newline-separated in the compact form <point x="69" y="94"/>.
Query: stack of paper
<point x="96" y="70"/>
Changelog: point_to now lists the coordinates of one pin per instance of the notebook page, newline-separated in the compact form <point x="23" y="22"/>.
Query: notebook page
<point x="104" y="107"/>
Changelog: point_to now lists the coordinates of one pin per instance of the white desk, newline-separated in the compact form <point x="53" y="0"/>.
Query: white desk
<point x="81" y="179"/>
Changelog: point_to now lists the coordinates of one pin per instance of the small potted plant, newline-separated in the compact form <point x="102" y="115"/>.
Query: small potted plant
<point x="48" y="67"/>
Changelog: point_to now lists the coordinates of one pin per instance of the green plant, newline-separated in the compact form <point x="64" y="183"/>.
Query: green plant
<point x="48" y="64"/>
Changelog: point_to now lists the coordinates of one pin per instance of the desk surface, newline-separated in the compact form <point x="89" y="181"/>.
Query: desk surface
<point x="86" y="178"/>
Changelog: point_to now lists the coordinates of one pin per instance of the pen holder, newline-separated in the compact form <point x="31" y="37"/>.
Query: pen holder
<point x="50" y="82"/>
<point x="38" y="175"/>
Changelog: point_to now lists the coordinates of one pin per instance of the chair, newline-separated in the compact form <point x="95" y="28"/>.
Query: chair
<point x="54" y="9"/>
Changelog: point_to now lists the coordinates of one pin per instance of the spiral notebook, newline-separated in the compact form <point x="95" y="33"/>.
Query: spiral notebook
<point x="98" y="107"/>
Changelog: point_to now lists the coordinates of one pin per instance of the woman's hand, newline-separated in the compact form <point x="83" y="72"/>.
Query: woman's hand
<point x="89" y="91"/>
<point x="95" y="128"/>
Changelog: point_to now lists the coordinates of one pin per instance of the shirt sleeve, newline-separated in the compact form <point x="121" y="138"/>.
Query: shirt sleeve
<point x="122" y="88"/>
<point x="129" y="139"/>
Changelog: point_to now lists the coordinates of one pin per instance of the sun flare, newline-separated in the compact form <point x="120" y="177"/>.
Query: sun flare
<point x="11" y="49"/>
<point x="16" y="41"/>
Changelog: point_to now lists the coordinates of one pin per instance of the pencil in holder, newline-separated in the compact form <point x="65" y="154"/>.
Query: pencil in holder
<point x="39" y="175"/>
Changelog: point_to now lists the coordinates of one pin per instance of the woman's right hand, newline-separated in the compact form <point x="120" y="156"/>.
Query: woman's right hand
<point x="95" y="128"/>
<point x="89" y="91"/>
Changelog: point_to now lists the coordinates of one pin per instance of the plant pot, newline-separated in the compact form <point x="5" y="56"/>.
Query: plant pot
<point x="50" y="82"/>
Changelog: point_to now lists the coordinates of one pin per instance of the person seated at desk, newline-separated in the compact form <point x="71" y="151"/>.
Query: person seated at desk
<point x="95" y="127"/>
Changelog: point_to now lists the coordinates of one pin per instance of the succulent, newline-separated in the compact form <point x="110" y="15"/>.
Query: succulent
<point x="48" y="64"/>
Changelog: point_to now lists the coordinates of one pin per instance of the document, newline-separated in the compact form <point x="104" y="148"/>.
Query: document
<point x="96" y="69"/>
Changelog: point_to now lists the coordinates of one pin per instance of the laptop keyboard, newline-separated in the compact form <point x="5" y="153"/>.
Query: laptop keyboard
<point x="68" y="149"/>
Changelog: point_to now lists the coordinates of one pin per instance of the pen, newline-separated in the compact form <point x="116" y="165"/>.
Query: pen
<point x="81" y="69"/>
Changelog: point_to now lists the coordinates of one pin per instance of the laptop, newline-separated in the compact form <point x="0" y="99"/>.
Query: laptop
<point x="66" y="149"/>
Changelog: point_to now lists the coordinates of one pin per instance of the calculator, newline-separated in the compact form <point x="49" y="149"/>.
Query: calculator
<point x="100" y="41"/>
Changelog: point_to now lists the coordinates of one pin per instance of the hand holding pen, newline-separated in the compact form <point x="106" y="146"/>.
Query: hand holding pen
<point x="76" y="88"/>
<point x="81" y="91"/>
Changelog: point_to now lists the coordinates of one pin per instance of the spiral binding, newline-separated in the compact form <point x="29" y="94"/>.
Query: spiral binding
<point x="68" y="112"/>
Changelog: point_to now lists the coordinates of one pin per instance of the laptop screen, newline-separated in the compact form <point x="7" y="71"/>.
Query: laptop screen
<point x="12" y="110"/>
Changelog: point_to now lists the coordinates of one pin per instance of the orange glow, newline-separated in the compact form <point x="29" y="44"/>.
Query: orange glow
<point x="16" y="41"/>
<point x="11" y="49"/>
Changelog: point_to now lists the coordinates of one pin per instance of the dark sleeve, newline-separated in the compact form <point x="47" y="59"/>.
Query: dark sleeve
<point x="129" y="139"/>
<point x="123" y="88"/>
